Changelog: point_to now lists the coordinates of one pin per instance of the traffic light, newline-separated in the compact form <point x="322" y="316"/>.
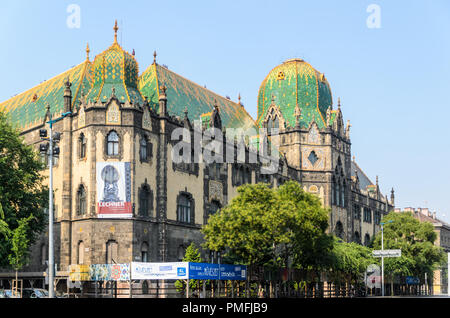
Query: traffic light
<point x="56" y="136"/>
<point x="43" y="133"/>
<point x="56" y="151"/>
<point x="43" y="148"/>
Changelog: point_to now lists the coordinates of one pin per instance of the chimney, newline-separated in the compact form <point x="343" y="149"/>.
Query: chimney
<point x="67" y="96"/>
<point x="163" y="102"/>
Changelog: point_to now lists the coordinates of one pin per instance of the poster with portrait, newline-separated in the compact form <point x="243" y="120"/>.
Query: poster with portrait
<point x="114" y="190"/>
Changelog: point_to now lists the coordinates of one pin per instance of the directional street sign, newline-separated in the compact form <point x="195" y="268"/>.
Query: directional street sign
<point x="387" y="253"/>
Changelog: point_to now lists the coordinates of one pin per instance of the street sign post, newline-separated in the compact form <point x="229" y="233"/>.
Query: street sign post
<point x="387" y="253"/>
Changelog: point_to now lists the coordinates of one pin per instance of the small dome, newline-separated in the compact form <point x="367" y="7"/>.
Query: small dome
<point x="115" y="68"/>
<point x="295" y="82"/>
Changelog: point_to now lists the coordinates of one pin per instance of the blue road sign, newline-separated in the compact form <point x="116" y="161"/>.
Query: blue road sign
<point x="410" y="280"/>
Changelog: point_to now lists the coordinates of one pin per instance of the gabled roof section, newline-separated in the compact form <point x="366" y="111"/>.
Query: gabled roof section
<point x="364" y="181"/>
<point x="182" y="93"/>
<point x="28" y="109"/>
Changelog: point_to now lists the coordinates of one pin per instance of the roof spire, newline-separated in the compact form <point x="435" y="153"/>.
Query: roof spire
<point x="339" y="103"/>
<point x="87" y="51"/>
<point x="239" y="99"/>
<point x="154" y="57"/>
<point x="115" y="31"/>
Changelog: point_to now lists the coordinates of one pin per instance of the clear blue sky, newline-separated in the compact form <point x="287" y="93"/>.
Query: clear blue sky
<point x="394" y="81"/>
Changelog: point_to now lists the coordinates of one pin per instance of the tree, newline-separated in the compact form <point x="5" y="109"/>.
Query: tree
<point x="275" y="227"/>
<point x="21" y="191"/>
<point x="192" y="254"/>
<point x="246" y="228"/>
<point x="306" y="223"/>
<point x="416" y="241"/>
<point x="20" y="246"/>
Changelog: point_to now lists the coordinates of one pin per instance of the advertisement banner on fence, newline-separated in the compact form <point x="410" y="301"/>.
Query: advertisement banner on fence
<point x="78" y="272"/>
<point x="233" y="272"/>
<point x="172" y="270"/>
<point x="214" y="271"/>
<point x="114" y="190"/>
<point x="108" y="272"/>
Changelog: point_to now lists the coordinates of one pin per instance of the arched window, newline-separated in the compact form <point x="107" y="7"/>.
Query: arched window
<point x="343" y="194"/>
<point x="81" y="201"/>
<point x="248" y="175"/>
<point x="269" y="125"/>
<point x="339" y="230"/>
<point x="145" y="200"/>
<point x="241" y="176"/>
<point x="367" y="239"/>
<point x="184" y="208"/>
<point x="112" y="144"/>
<point x="82" y="146"/>
<point x="144" y="252"/>
<point x="80" y="254"/>
<point x="338" y="194"/>
<point x="111" y="252"/>
<point x="357" y="237"/>
<point x="143" y="151"/>
<point x="276" y="123"/>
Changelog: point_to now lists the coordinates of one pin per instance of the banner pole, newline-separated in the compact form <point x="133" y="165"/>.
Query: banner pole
<point x="187" y="288"/>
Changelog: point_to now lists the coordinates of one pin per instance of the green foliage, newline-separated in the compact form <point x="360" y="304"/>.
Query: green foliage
<point x="20" y="244"/>
<point x="192" y="254"/>
<point x="21" y="191"/>
<point x="351" y="258"/>
<point x="4" y="229"/>
<point x="248" y="227"/>
<point x="306" y="223"/>
<point x="415" y="239"/>
<point x="264" y="226"/>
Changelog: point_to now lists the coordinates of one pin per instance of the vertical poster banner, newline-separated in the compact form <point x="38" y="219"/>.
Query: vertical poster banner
<point x="114" y="190"/>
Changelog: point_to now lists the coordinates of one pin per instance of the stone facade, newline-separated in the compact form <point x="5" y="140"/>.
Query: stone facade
<point x="317" y="155"/>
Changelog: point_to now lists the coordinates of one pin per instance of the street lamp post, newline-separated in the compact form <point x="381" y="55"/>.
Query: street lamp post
<point x="51" y="257"/>
<point x="382" y="257"/>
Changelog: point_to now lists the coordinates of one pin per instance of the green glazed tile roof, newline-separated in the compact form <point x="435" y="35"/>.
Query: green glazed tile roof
<point x="182" y="92"/>
<point x="115" y="68"/>
<point x="28" y="108"/>
<point x="293" y="83"/>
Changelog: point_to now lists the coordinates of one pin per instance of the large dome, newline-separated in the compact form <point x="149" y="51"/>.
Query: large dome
<point x="295" y="82"/>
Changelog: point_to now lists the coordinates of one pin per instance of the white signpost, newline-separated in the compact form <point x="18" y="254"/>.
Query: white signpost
<point x="387" y="253"/>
